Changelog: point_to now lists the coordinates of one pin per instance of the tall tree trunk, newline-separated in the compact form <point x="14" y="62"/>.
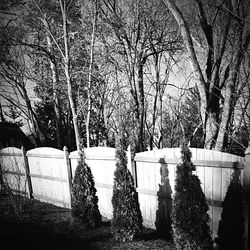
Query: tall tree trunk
<point x="160" y="142"/>
<point x="67" y="74"/>
<point x="201" y="84"/>
<point x="162" y="88"/>
<point x="151" y="139"/>
<point x="210" y="91"/>
<point x="158" y="88"/>
<point x="140" y="146"/>
<point x="90" y="77"/>
<point x="56" y="100"/>
<point x="230" y="89"/>
<point x="1" y="114"/>
<point x="40" y="137"/>
<point x="58" y="118"/>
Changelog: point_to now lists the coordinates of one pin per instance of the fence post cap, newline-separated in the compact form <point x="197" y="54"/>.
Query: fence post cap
<point x="65" y="148"/>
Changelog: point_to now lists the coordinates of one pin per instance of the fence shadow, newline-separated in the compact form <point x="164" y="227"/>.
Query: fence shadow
<point x="231" y="225"/>
<point x="163" y="213"/>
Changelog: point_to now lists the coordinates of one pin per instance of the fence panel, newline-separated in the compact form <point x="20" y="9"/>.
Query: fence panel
<point x="101" y="161"/>
<point x="155" y="171"/>
<point x="12" y="165"/>
<point x="213" y="168"/>
<point x="48" y="172"/>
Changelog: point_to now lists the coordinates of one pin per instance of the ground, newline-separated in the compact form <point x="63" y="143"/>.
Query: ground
<point x="45" y="226"/>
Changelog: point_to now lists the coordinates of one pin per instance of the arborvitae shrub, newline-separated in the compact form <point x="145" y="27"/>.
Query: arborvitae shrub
<point x="231" y="226"/>
<point x="84" y="200"/>
<point x="189" y="215"/>
<point x="126" y="223"/>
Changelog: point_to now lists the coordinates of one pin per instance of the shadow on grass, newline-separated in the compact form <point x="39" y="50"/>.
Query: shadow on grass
<point x="51" y="227"/>
<point x="47" y="241"/>
<point x="34" y="236"/>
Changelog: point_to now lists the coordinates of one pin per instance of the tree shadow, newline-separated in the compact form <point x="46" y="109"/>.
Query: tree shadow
<point x="163" y="213"/>
<point x="231" y="225"/>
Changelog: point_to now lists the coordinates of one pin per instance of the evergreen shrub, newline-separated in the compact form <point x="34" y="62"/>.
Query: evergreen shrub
<point x="126" y="223"/>
<point x="190" y="220"/>
<point x="84" y="200"/>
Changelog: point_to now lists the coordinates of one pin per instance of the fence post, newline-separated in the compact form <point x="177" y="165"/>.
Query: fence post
<point x="131" y="164"/>
<point x="27" y="172"/>
<point x="246" y="188"/>
<point x="69" y="172"/>
<point x="129" y="156"/>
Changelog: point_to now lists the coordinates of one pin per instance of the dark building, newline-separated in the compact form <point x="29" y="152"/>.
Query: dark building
<point x="12" y="136"/>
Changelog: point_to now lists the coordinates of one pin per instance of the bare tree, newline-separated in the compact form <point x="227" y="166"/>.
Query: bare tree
<point x="89" y="89"/>
<point x="138" y="33"/>
<point x="28" y="25"/>
<point x="159" y="81"/>
<point x="65" y="55"/>
<point x="55" y="81"/>
<point x="224" y="29"/>
<point x="15" y="75"/>
<point x="63" y="48"/>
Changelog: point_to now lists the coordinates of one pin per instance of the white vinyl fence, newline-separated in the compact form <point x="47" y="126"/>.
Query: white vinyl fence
<point x="213" y="168"/>
<point x="46" y="174"/>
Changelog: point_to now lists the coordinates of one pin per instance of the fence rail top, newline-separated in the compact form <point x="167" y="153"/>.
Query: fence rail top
<point x="197" y="154"/>
<point x="99" y="157"/>
<point x="210" y="163"/>
<point x="45" y="152"/>
<point x="11" y="151"/>
<point x="170" y="155"/>
<point x="104" y="153"/>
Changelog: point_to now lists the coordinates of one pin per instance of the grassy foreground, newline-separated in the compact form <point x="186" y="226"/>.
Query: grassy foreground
<point x="42" y="225"/>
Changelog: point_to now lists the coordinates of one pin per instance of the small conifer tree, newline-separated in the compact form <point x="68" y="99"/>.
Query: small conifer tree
<point x="126" y="223"/>
<point x="189" y="214"/>
<point x="84" y="199"/>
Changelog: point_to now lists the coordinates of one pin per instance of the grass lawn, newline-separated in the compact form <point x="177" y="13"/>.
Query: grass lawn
<point x="45" y="226"/>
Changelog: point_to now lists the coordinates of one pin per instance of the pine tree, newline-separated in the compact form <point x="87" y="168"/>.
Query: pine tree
<point x="189" y="214"/>
<point x="84" y="199"/>
<point x="126" y="223"/>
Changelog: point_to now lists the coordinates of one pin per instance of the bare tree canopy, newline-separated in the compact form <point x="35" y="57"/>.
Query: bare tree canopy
<point x="155" y="71"/>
